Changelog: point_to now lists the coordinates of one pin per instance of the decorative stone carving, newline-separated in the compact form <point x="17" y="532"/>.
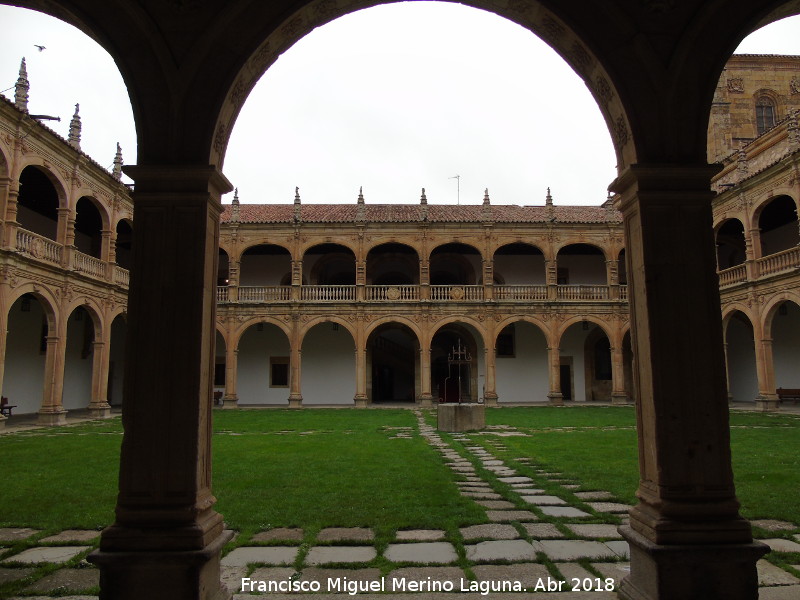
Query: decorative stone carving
<point x="221" y="138"/>
<point x="293" y="27"/>
<point x="794" y="85"/>
<point x="457" y="293"/>
<point x="393" y="293"/>
<point x="620" y="132"/>
<point x="580" y="56"/>
<point x="736" y="85"/>
<point x="551" y="29"/>
<point x="603" y="90"/>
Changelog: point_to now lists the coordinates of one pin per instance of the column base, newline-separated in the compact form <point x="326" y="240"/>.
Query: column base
<point x="162" y="575"/>
<point x="100" y="411"/>
<point x="556" y="398"/>
<point x="295" y="402"/>
<point x="52" y="418"/>
<point x="425" y="402"/>
<point x="3" y="419"/>
<point x="619" y="398"/>
<point x="361" y="401"/>
<point x="230" y="402"/>
<point x="690" y="572"/>
<point x="768" y="402"/>
<point x="491" y="399"/>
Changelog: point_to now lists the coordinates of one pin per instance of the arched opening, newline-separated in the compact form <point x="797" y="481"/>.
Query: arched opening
<point x="628" y="366"/>
<point x="88" y="227"/>
<point x="778" y="225"/>
<point x="741" y="355"/>
<point x="116" y="359"/>
<point x="457" y="364"/>
<point x="262" y="374"/>
<point x="78" y="363"/>
<point x="786" y="345"/>
<point x="393" y="364"/>
<point x="597" y="358"/>
<point x="219" y="367"/>
<point x="264" y="265"/>
<point x="521" y="367"/>
<point x="38" y="203"/>
<point x="392" y="264"/>
<point x="585" y="363"/>
<point x="26" y="348"/>
<point x="730" y="244"/>
<point x="328" y="368"/>
<point x="329" y="264"/>
<point x="766" y="114"/>
<point x="124" y="244"/>
<point x="455" y="264"/>
<point x="517" y="267"/>
<point x="581" y="264"/>
<point x="622" y="268"/>
<point x="223" y="268"/>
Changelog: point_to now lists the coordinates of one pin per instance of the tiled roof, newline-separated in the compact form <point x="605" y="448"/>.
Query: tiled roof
<point x="408" y="213"/>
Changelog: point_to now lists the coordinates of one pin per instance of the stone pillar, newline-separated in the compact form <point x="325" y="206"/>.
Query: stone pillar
<point x="767" y="399"/>
<point x="752" y="242"/>
<point x="4" y="308"/>
<point x="554" y="361"/>
<point x="65" y="235"/>
<point x="424" y="279"/>
<point x="361" y="280"/>
<point x="727" y="372"/>
<point x="166" y="539"/>
<point x="490" y="393"/>
<point x="297" y="279"/>
<point x="230" y="399"/>
<point x="551" y="278"/>
<point x="425" y="396"/>
<point x="360" y="398"/>
<point x="295" y="364"/>
<point x="99" y="407"/>
<point x="9" y="191"/>
<point x="612" y="279"/>
<point x="52" y="411"/>
<point x="488" y="279"/>
<point x="233" y="279"/>
<point x="618" y="394"/>
<point x="686" y="537"/>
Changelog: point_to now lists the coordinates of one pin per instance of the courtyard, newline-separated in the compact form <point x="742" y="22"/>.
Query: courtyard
<point x="377" y="501"/>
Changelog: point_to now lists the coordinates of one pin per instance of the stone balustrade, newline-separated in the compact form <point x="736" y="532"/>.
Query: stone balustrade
<point x="780" y="261"/>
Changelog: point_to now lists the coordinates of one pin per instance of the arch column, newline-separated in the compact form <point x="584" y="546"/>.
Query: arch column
<point x="360" y="398"/>
<point x="490" y="353"/>
<point x="767" y="399"/>
<point x="231" y="400"/>
<point x="4" y="308"/>
<point x="166" y="538"/>
<point x="52" y="411"/>
<point x="752" y="249"/>
<point x="66" y="235"/>
<point x="425" y="396"/>
<point x="234" y="267"/>
<point x="295" y="364"/>
<point x="685" y="534"/>
<point x="99" y="407"/>
<point x="618" y="392"/>
<point x="9" y="192"/>
<point x="554" y="361"/>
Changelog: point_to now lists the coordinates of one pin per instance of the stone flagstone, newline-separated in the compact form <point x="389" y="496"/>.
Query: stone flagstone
<point x="320" y="555"/>
<point x="267" y="555"/>
<point x="421" y="535"/>
<point x="322" y="576"/>
<point x="769" y="574"/>
<point x="516" y="479"/>
<point x="231" y="577"/>
<point x="483" y="495"/>
<point x="595" y="495"/>
<point x="511" y="515"/>
<point x="279" y="533"/>
<point x="511" y="550"/>
<point x="544" y="500"/>
<point x="339" y="534"/>
<point x="773" y="524"/>
<point x="7" y="574"/>
<point x="527" y="574"/>
<point x="495" y="504"/>
<point x="440" y="553"/>
<point x="72" y="535"/>
<point x="451" y="574"/>
<point x="570" y="570"/>
<point x="563" y="511"/>
<point x="620" y="548"/>
<point x="610" y="507"/>
<point x="75" y="580"/>
<point x="595" y="531"/>
<point x="573" y="549"/>
<point x="781" y="545"/>
<point x="542" y="530"/>
<point x="46" y="554"/>
<point x="15" y="534"/>
<point x="492" y="530"/>
<point x="616" y="571"/>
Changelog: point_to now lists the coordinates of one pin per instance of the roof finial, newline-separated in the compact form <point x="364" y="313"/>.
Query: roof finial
<point x="21" y="88"/>
<point x="486" y="197"/>
<point x="236" y="195"/>
<point x="423" y="199"/>
<point x="548" y="199"/>
<point x="361" y="195"/>
<point x="74" y="138"/>
<point x="235" y="206"/>
<point x="116" y="171"/>
<point x="296" y="203"/>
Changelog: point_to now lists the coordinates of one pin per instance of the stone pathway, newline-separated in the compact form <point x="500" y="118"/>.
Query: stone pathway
<point x="545" y="534"/>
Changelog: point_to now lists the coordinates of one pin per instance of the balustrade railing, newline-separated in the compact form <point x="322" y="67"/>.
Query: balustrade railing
<point x="122" y="276"/>
<point x="392" y="293"/>
<point x="781" y="261"/>
<point x="623" y="292"/>
<point x="327" y="293"/>
<point x="38" y="246"/>
<point x="582" y="292"/>
<point x="456" y="293"/>
<point x="265" y="293"/>
<point x="88" y="264"/>
<point x="732" y="275"/>
<point x="222" y="293"/>
<point x="520" y="292"/>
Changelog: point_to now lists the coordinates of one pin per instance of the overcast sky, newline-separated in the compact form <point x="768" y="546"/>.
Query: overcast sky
<point x="363" y="102"/>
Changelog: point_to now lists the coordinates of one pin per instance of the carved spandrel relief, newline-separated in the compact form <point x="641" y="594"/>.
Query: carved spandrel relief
<point x="735" y="85"/>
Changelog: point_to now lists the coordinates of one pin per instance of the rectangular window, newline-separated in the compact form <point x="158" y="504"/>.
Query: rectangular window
<point x="278" y="371"/>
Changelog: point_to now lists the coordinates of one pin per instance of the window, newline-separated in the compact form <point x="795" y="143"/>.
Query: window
<point x="765" y="114"/>
<point x="505" y="343"/>
<point x="279" y="371"/>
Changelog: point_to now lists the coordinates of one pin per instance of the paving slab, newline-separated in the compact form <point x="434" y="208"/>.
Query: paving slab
<point x="340" y="534"/>
<point x="528" y="574"/>
<point x="421" y="535"/>
<point x="495" y="504"/>
<point x="572" y="486"/>
<point x="320" y="555"/>
<point x="483" y="495"/>
<point x="620" y="548"/>
<point x="495" y="531"/>
<point x="610" y="507"/>
<point x="569" y="550"/>
<point x="543" y="500"/>
<point x="769" y="574"/>
<point x="616" y="571"/>
<point x="67" y="580"/>
<point x="73" y="535"/>
<point x="594" y="495"/>
<point x="570" y="570"/>
<point x="231" y="577"/>
<point x="15" y="534"/>
<point x="452" y="575"/>
<point x="563" y="511"/>
<point x="8" y="574"/>
<point x="542" y="530"/>
<point x="773" y="524"/>
<point x="265" y="555"/>
<point x="46" y="554"/>
<point x="781" y="545"/>
<point x="511" y="515"/>
<point x="291" y="534"/>
<point x="789" y="592"/>
<point x="608" y="532"/>
<point x="339" y="578"/>
<point x="511" y="550"/>
<point x="516" y="479"/>
<point x="437" y="553"/>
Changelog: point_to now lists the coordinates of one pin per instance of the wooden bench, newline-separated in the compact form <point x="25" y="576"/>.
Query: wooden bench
<point x="5" y="407"/>
<point x="788" y="394"/>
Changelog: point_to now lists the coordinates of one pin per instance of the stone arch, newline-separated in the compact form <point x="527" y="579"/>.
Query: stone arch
<point x="464" y="320"/>
<point x="467" y="382"/>
<point x="328" y="358"/>
<point x="56" y="179"/>
<point x="394" y="319"/>
<point x="392" y="353"/>
<point x="729" y="234"/>
<point x="398" y="264"/>
<point x="773" y="304"/>
<point x="5" y="163"/>
<point x="235" y="335"/>
<point x="337" y="264"/>
<point x="740" y="353"/>
<point x="326" y="319"/>
<point x="525" y="319"/>
<point x="95" y="310"/>
<point x="576" y="242"/>
<point x="521" y="360"/>
<point x="252" y="243"/>
<point x="88" y="236"/>
<point x="604" y="325"/>
<point x="102" y="208"/>
<point x="730" y="309"/>
<point x="776" y="218"/>
<point x="416" y="246"/>
<point x="45" y="297"/>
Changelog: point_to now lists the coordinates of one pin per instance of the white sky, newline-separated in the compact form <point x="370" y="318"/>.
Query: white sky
<point x="392" y="98"/>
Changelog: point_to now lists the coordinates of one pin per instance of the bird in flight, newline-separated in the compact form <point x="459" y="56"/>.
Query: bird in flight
<point x="40" y="47"/>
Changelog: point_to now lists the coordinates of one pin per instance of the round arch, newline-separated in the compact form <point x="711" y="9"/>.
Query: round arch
<point x="566" y="244"/>
<point x="235" y="335"/>
<point x="410" y="244"/>
<point x="325" y="319"/>
<point x="604" y="325"/>
<point x="102" y="208"/>
<point x="93" y="307"/>
<point x="52" y="175"/>
<point x="253" y="243"/>
<point x="45" y="297"/>
<point x="460" y="320"/>
<point x="399" y="319"/>
<point x="540" y="325"/>
<point x="773" y="304"/>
